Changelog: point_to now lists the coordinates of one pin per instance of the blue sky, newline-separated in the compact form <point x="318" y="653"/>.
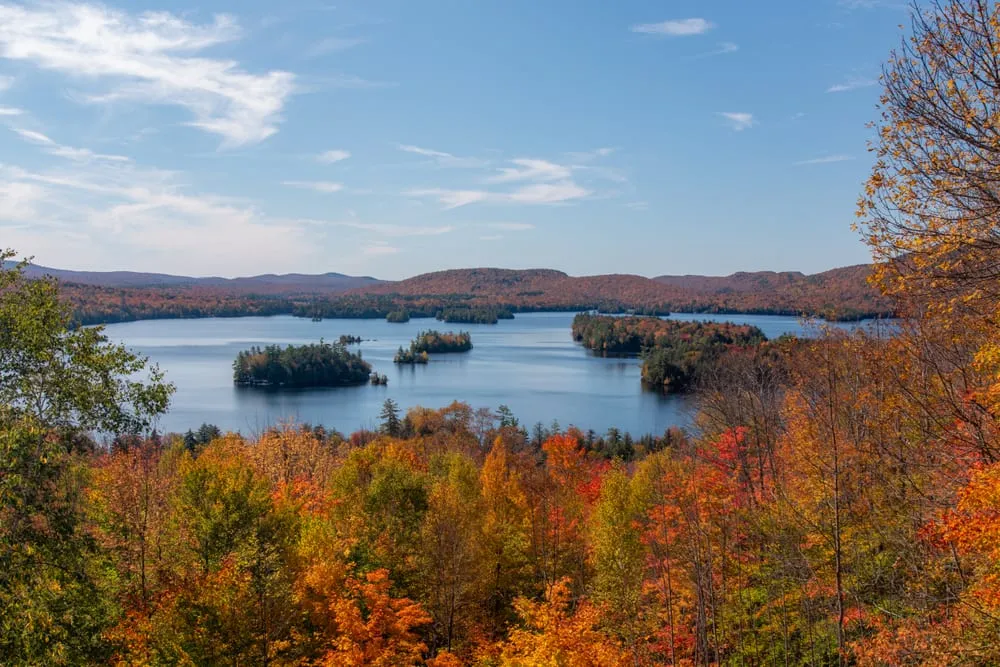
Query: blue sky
<point x="394" y="137"/>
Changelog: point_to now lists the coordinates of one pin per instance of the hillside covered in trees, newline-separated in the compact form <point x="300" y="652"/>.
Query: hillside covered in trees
<point x="486" y="295"/>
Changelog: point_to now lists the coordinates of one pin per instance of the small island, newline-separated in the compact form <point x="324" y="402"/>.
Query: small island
<point x="474" y="315"/>
<point x="410" y="357"/>
<point x="398" y="316"/>
<point x="379" y="380"/>
<point x="349" y="340"/>
<point x="298" y="366"/>
<point x="428" y="342"/>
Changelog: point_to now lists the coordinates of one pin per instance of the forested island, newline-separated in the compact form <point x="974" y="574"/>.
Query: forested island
<point x="316" y="365"/>
<point x="674" y="353"/>
<point x="398" y="316"/>
<point x="474" y="315"/>
<point x="428" y="342"/>
<point x="435" y="341"/>
<point x="349" y="339"/>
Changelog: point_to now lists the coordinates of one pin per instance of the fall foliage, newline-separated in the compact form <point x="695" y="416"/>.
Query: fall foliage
<point x="837" y="504"/>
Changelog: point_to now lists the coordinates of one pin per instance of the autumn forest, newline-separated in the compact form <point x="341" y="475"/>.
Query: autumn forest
<point x="837" y="503"/>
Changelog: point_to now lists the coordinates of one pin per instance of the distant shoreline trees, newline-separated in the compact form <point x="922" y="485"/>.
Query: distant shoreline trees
<point x="316" y="365"/>
<point x="486" y="315"/>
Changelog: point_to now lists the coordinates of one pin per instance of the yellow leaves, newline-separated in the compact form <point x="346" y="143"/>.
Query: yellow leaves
<point x="554" y="636"/>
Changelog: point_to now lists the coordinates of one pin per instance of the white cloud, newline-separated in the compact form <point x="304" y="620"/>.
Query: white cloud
<point x="10" y="111"/>
<point x="722" y="49"/>
<point x="149" y="58"/>
<point x="548" y="193"/>
<point x="115" y="212"/>
<point x="675" y="28"/>
<point x="18" y="201"/>
<point x="827" y="159"/>
<point x="69" y="152"/>
<point x="6" y="82"/>
<point x="451" y="198"/>
<point x="532" y="170"/>
<point x="738" y="120"/>
<point x="491" y="237"/>
<point x="327" y="187"/>
<point x="852" y="83"/>
<point x="442" y="159"/>
<point x="336" y="155"/>
<point x="638" y="205"/>
<point x="536" y="194"/>
<point x="35" y="137"/>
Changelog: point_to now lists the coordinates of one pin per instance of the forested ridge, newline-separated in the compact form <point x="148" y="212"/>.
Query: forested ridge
<point x="486" y="295"/>
<point x="838" y="504"/>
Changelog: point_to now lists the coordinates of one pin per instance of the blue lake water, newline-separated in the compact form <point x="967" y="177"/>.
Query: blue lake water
<point x="530" y="364"/>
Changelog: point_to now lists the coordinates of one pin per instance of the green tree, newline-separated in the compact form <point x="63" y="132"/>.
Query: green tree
<point x="391" y="424"/>
<point x="57" y="385"/>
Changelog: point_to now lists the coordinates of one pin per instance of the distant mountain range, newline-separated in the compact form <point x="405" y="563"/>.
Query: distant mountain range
<point x="268" y="283"/>
<point x="842" y="293"/>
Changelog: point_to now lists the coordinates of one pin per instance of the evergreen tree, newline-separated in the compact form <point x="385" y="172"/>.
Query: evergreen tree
<point x="391" y="424"/>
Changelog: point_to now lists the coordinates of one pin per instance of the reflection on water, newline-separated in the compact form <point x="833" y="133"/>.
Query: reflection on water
<point x="530" y="364"/>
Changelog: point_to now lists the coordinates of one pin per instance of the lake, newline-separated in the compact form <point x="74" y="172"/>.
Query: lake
<point x="530" y="364"/>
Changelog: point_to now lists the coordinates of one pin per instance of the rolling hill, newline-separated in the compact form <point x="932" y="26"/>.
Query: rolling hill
<point x="841" y="293"/>
<point x="269" y="283"/>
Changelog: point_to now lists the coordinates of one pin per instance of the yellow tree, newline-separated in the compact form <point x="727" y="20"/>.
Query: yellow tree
<point x="931" y="209"/>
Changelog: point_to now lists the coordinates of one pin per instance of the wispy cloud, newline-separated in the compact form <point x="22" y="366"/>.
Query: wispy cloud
<point x="528" y="169"/>
<point x="6" y="82"/>
<point x="738" y="120"/>
<point x="153" y="58"/>
<point x="59" y="150"/>
<point x="722" y="49"/>
<point x="590" y="156"/>
<point x="336" y="155"/>
<point x="637" y="205"/>
<point x="110" y="210"/>
<point x="491" y="237"/>
<point x="827" y="159"/>
<point x="536" y="194"/>
<point x="326" y="187"/>
<point x="675" y="28"/>
<point x="852" y="83"/>
<point x="10" y="111"/>
<point x="442" y="159"/>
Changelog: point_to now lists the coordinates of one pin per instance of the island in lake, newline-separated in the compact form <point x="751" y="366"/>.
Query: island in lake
<point x="296" y="366"/>
<point x="398" y="316"/>
<point x="428" y="342"/>
<point x="674" y="353"/>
